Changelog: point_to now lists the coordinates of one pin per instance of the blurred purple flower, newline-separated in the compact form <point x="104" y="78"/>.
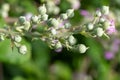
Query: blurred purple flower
<point x="61" y="25"/>
<point x="109" y="55"/>
<point x="111" y="29"/>
<point x="85" y="13"/>
<point x="115" y="45"/>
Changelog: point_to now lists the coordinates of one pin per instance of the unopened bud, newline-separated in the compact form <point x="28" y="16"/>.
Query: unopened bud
<point x="99" y="32"/>
<point x="98" y="13"/>
<point x="56" y="10"/>
<point x="82" y="48"/>
<point x="22" y="19"/>
<point x="42" y="9"/>
<point x="54" y="22"/>
<point x="17" y="38"/>
<point x="102" y="19"/>
<point x="64" y="16"/>
<point x="34" y="19"/>
<point x="67" y="25"/>
<point x="70" y="12"/>
<point x="58" y="45"/>
<point x="71" y="40"/>
<point x="105" y="10"/>
<point x="44" y="17"/>
<point x="27" y="25"/>
<point x="106" y="24"/>
<point x="90" y="26"/>
<point x="23" y="49"/>
<point x="53" y="31"/>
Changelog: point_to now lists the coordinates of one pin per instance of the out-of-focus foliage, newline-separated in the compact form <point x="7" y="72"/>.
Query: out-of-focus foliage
<point x="42" y="63"/>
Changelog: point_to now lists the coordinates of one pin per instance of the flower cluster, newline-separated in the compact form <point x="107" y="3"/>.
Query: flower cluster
<point x="57" y="32"/>
<point x="101" y="25"/>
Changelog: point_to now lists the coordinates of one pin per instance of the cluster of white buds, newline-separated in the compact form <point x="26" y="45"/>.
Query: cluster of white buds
<point x="100" y="24"/>
<point x="22" y="48"/>
<point x="57" y="32"/>
<point x="43" y="10"/>
<point x="69" y="13"/>
<point x="22" y="24"/>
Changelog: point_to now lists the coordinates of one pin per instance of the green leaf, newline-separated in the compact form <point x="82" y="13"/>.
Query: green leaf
<point x="13" y="56"/>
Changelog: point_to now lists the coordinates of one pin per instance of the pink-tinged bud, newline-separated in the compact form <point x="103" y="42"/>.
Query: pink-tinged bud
<point x="76" y="4"/>
<point x="111" y="29"/>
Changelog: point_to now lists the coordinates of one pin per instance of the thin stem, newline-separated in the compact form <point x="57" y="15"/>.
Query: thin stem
<point x="95" y="20"/>
<point x="1" y="72"/>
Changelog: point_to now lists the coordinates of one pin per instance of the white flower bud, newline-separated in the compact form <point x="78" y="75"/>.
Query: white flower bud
<point x="27" y="25"/>
<point x="67" y="25"/>
<point x="22" y="19"/>
<point x="42" y="9"/>
<point x="34" y="19"/>
<point x="44" y="17"/>
<point x="102" y="19"/>
<point x="58" y="45"/>
<point x="53" y="31"/>
<point x="105" y="10"/>
<point x="2" y="36"/>
<point x="23" y="49"/>
<point x="99" y="32"/>
<point x="54" y="22"/>
<point x="82" y="48"/>
<point x="71" y="40"/>
<point x="64" y="16"/>
<point x="90" y="26"/>
<point x="98" y="13"/>
<point x="17" y="38"/>
<point x="56" y="10"/>
<point x="70" y="12"/>
<point x="106" y="24"/>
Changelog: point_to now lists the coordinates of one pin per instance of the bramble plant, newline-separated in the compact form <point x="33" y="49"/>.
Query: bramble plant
<point x="57" y="32"/>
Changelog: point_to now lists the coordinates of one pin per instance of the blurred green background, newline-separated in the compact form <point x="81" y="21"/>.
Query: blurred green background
<point x="42" y="63"/>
